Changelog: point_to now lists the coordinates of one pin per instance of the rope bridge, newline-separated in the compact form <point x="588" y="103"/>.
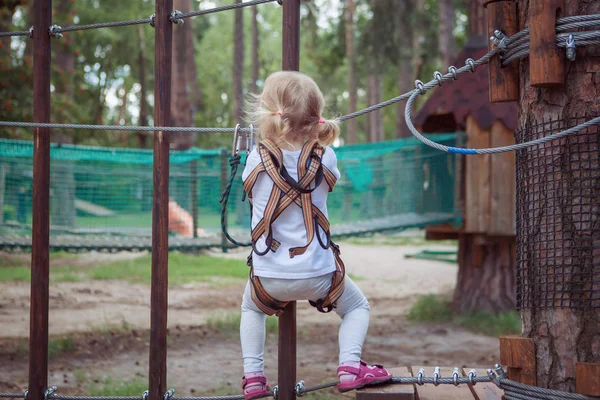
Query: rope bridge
<point x="101" y="197"/>
<point x="512" y="390"/>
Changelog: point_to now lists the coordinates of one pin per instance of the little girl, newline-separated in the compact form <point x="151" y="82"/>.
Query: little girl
<point x="287" y="179"/>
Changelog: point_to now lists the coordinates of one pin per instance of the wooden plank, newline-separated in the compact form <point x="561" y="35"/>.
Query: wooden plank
<point x="163" y="35"/>
<point x="40" y="252"/>
<point x="502" y="183"/>
<point x="587" y="377"/>
<point x="477" y="180"/>
<point x="483" y="391"/>
<point x="546" y="60"/>
<point x="518" y="354"/>
<point x="389" y="391"/>
<point x="504" y="81"/>
<point x="446" y="392"/>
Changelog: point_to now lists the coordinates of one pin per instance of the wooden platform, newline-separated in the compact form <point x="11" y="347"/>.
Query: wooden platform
<point x="479" y="391"/>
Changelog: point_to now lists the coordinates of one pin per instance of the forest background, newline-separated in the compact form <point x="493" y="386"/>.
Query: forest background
<point x="359" y="52"/>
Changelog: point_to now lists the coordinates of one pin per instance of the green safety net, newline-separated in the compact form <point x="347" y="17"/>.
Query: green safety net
<point x="101" y="198"/>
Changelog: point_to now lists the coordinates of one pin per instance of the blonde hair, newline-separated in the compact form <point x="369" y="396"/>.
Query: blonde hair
<point x="289" y="109"/>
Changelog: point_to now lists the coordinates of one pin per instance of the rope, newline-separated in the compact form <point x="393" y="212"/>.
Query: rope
<point x="234" y="162"/>
<point x="225" y="8"/>
<point x="15" y="33"/>
<point x="104" y="25"/>
<point x="119" y="127"/>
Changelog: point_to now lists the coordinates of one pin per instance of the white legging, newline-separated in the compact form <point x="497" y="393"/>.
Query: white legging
<point x="352" y="307"/>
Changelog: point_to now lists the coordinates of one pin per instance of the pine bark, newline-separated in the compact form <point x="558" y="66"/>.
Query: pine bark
<point x="563" y="336"/>
<point x="352" y="84"/>
<point x="447" y="42"/>
<point x="181" y="104"/>
<point x="255" y="51"/>
<point x="486" y="277"/>
<point x="238" y="64"/>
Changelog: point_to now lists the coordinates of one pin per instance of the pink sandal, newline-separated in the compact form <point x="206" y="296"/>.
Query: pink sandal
<point x="364" y="375"/>
<point x="258" y="383"/>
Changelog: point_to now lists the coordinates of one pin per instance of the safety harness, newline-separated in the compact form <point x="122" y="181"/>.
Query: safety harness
<point x="286" y="191"/>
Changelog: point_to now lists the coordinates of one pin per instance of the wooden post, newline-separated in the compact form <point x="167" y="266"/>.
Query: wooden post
<point x="224" y="163"/>
<point x="194" y="167"/>
<point x="38" y="319"/>
<point x="587" y="379"/>
<point x="160" y="207"/>
<point x="504" y="82"/>
<point x="546" y="61"/>
<point x="287" y="321"/>
<point x="518" y="354"/>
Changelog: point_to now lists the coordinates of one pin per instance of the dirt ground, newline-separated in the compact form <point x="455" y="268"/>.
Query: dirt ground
<point x="108" y="322"/>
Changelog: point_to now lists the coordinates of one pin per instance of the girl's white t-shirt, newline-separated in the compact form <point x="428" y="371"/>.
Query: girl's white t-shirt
<point x="289" y="228"/>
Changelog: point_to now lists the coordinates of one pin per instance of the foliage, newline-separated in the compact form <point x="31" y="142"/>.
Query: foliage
<point x="105" y="71"/>
<point x="183" y="268"/>
<point x="433" y="308"/>
<point x="117" y="387"/>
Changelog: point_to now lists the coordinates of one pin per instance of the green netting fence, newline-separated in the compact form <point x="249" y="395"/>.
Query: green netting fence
<point x="101" y="198"/>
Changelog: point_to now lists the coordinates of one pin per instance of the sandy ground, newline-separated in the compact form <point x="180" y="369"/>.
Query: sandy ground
<point x="201" y="358"/>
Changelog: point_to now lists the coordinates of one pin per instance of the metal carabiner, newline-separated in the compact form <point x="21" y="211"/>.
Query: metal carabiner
<point x="235" y="149"/>
<point x="249" y="139"/>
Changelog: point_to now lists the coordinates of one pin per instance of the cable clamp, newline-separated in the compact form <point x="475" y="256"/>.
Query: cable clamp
<point x="176" y="17"/>
<point x="49" y="392"/>
<point x="153" y="20"/>
<point x="472" y="375"/>
<point x="54" y="31"/>
<point x="499" y="40"/>
<point x="436" y="376"/>
<point x="420" y="376"/>
<point x="455" y="375"/>
<point x="26" y="394"/>
<point x="145" y="395"/>
<point x="169" y="393"/>
<point x="420" y="87"/>
<point x="452" y="70"/>
<point x="275" y="392"/>
<point x="437" y="75"/>
<point x="299" y="389"/>
<point x="31" y="32"/>
<point x="471" y="63"/>
<point x="571" y="47"/>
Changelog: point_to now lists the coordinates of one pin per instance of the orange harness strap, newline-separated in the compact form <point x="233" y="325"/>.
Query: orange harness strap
<point x="285" y="192"/>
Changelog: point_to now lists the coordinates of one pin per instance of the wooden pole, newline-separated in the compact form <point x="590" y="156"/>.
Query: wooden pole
<point x="287" y="321"/>
<point x="160" y="216"/>
<point x="40" y="271"/>
<point x="504" y="81"/>
<point x="546" y="60"/>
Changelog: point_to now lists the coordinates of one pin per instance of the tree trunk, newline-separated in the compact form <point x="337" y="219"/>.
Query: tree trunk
<point x="255" y="48"/>
<point x="418" y="38"/>
<point x="375" y="129"/>
<point x="143" y="120"/>
<point x="238" y="64"/>
<point x="405" y="74"/>
<point x="559" y="226"/>
<point x="352" y="135"/>
<point x="486" y="276"/>
<point x="477" y="19"/>
<point x="447" y="42"/>
<point x="181" y="105"/>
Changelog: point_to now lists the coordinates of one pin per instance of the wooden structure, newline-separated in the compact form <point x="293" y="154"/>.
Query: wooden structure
<point x="487" y="185"/>
<point x="479" y="391"/>
<point x="38" y="338"/>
